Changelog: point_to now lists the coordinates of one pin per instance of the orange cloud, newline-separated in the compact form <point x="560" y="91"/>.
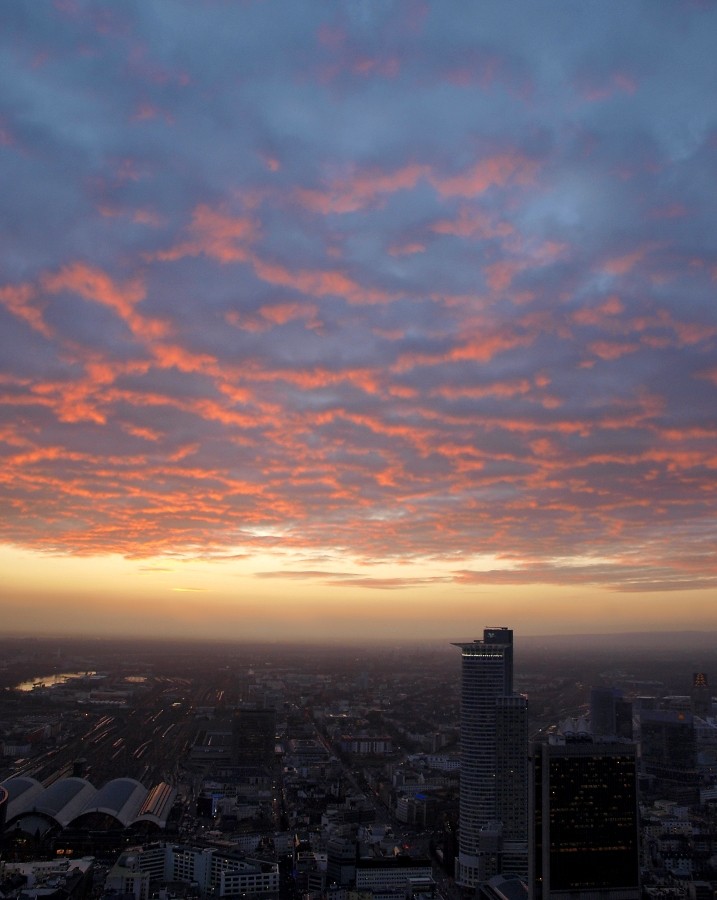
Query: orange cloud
<point x="141" y="216"/>
<point x="146" y="434"/>
<point x="495" y="171"/>
<point x="499" y="275"/>
<point x="319" y="283"/>
<point x="147" y="217"/>
<point x="621" y="265"/>
<point x="359" y="190"/>
<point x="272" y="164"/>
<point x="473" y="223"/>
<point x="17" y="300"/>
<point x="215" y="234"/>
<point x="596" y="315"/>
<point x="497" y="389"/>
<point x="90" y="397"/>
<point x="73" y="402"/>
<point x="407" y="249"/>
<point x="482" y="347"/>
<point x="661" y="328"/>
<point x="94" y="284"/>
<point x="173" y="356"/>
<point x="281" y="313"/>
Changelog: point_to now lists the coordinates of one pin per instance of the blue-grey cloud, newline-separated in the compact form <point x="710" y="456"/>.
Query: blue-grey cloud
<point x="375" y="282"/>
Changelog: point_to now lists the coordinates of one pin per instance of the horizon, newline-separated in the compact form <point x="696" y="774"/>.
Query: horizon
<point x="357" y="320"/>
<point x="679" y="639"/>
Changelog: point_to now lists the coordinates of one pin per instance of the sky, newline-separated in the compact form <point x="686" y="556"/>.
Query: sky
<point x="357" y="319"/>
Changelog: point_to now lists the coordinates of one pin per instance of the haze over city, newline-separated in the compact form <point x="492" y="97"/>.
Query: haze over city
<point x="336" y="321"/>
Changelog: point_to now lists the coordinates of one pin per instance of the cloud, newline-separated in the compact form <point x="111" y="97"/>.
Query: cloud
<point x="360" y="189"/>
<point x="622" y="579"/>
<point x="17" y="299"/>
<point x="300" y="574"/>
<point x="216" y="234"/>
<point x="511" y="167"/>
<point x="418" y="281"/>
<point x="349" y="580"/>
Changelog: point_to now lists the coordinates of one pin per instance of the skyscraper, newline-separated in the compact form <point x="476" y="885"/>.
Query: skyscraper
<point x="511" y="783"/>
<point x="584" y="823"/>
<point x="701" y="695"/>
<point x="493" y="794"/>
<point x="669" y="754"/>
<point x="253" y="736"/>
<point x="610" y="713"/>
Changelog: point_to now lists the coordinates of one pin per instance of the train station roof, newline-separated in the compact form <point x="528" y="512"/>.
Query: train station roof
<point x="68" y="799"/>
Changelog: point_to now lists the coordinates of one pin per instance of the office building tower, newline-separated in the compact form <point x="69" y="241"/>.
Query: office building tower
<point x="511" y="782"/>
<point x="492" y="831"/>
<point x="701" y="695"/>
<point x="669" y="754"/>
<point x="584" y="821"/>
<point x="253" y="737"/>
<point x="610" y="713"/>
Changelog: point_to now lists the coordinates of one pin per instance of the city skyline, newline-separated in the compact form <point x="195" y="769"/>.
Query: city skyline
<point x="328" y="321"/>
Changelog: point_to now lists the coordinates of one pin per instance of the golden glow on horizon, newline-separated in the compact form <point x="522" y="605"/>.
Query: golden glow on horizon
<point x="115" y="596"/>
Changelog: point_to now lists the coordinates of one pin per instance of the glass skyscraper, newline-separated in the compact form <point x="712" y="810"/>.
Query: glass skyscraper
<point x="492" y="829"/>
<point x="584" y="841"/>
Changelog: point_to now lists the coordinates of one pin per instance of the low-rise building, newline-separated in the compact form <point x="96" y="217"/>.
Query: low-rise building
<point x="221" y="873"/>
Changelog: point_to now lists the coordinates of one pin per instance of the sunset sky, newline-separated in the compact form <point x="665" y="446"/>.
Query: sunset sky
<point x="356" y="318"/>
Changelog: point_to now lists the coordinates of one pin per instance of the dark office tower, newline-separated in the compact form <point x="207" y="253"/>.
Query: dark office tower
<point x="623" y="719"/>
<point x="511" y="782"/>
<point x="701" y="695"/>
<point x="610" y="713"/>
<point x="669" y="754"/>
<point x="493" y="738"/>
<point x="584" y="822"/>
<point x="253" y="737"/>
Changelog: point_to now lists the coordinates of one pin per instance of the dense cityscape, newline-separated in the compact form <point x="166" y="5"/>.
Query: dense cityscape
<point x="358" y="415"/>
<point x="534" y="768"/>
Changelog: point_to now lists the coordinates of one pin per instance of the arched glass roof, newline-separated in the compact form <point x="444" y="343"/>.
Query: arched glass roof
<point x="67" y="799"/>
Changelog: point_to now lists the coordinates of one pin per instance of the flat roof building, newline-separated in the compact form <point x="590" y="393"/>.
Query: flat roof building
<point x="584" y="822"/>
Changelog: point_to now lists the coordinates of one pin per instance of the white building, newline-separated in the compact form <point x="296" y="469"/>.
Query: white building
<point x="390" y="874"/>
<point x="494" y="755"/>
<point x="217" y="872"/>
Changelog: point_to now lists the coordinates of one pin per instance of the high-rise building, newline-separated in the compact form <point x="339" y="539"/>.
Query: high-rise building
<point x="701" y="695"/>
<point x="511" y="782"/>
<point x="253" y="736"/>
<point x="492" y="831"/>
<point x="669" y="754"/>
<point x="610" y="713"/>
<point x="584" y="821"/>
